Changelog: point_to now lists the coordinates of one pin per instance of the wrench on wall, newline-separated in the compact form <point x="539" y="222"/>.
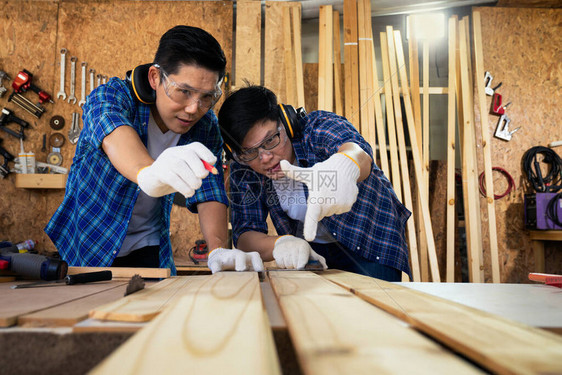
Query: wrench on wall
<point x="72" y="98"/>
<point x="61" y="93"/>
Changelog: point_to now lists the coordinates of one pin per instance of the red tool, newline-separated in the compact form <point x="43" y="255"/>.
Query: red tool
<point x="23" y="82"/>
<point x="497" y="108"/>
<point x="548" y="279"/>
<point x="199" y="252"/>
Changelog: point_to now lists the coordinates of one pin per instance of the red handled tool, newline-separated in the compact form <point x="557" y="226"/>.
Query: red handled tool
<point x="497" y="108"/>
<point x="23" y="82"/>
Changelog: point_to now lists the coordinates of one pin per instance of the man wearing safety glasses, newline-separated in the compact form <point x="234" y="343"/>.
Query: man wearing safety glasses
<point x="144" y="139"/>
<point x="314" y="175"/>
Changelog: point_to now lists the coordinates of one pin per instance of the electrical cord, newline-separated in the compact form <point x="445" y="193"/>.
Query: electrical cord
<point x="552" y="182"/>
<point x="510" y="182"/>
<point x="552" y="211"/>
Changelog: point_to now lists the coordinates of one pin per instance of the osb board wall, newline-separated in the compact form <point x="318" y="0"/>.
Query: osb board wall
<point x="112" y="37"/>
<point x="529" y="3"/>
<point x="522" y="48"/>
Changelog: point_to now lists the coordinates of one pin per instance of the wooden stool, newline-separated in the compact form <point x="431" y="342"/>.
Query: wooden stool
<point x="537" y="238"/>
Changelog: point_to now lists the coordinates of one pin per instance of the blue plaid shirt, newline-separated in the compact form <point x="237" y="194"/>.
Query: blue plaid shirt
<point x="373" y="229"/>
<point x="91" y="223"/>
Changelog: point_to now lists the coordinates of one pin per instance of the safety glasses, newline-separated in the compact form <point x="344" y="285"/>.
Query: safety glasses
<point x="186" y="95"/>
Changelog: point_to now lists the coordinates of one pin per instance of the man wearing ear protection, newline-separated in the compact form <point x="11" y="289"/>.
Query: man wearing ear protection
<point x="145" y="138"/>
<point x="314" y="174"/>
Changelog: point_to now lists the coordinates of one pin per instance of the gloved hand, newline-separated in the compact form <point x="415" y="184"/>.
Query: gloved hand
<point x="332" y="188"/>
<point x="176" y="169"/>
<point x="293" y="252"/>
<point x="222" y="259"/>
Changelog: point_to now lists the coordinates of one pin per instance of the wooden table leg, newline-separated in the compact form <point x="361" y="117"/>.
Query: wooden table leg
<point x="538" y="249"/>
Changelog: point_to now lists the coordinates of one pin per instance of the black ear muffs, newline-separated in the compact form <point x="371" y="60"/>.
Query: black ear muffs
<point x="138" y="79"/>
<point x="291" y="119"/>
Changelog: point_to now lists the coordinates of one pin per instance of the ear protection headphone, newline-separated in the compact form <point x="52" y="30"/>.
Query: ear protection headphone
<point x="138" y="79"/>
<point x="291" y="119"/>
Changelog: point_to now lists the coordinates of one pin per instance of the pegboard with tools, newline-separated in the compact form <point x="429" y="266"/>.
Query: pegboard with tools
<point x="111" y="37"/>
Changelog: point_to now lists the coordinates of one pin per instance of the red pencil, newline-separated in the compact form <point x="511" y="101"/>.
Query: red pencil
<point x="210" y="168"/>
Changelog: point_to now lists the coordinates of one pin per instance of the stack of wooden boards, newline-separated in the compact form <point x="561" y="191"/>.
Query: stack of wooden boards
<point x="338" y="322"/>
<point x="375" y="102"/>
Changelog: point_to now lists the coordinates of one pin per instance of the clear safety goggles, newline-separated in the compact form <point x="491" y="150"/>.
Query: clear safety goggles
<point x="186" y="95"/>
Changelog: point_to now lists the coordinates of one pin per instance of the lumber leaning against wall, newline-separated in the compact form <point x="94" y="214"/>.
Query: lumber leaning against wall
<point x="113" y="37"/>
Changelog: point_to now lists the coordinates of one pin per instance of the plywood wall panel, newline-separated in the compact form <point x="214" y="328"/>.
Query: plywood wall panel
<point x="112" y="37"/>
<point x="523" y="49"/>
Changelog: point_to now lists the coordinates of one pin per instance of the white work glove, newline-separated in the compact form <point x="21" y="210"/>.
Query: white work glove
<point x="222" y="259"/>
<point x="332" y="188"/>
<point x="293" y="252"/>
<point x="176" y="169"/>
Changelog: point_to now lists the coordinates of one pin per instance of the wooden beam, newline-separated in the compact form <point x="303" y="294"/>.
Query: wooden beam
<point x="486" y="147"/>
<point x="326" y="59"/>
<point x="366" y="73"/>
<point x="351" y="65"/>
<point x="391" y="78"/>
<point x="338" y="97"/>
<point x="392" y="143"/>
<point x="451" y="185"/>
<point x="335" y="332"/>
<point x="289" y="63"/>
<point x="426" y="218"/>
<point x="20" y="302"/>
<point x="219" y="328"/>
<point x="73" y="311"/>
<point x="478" y="335"/>
<point x="380" y="128"/>
<point x="147" y="303"/>
<point x="248" y="42"/>
<point x="297" y="35"/>
<point x="469" y="167"/>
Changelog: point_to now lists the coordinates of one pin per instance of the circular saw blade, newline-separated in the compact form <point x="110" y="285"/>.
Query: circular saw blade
<point x="57" y="122"/>
<point x="56" y="140"/>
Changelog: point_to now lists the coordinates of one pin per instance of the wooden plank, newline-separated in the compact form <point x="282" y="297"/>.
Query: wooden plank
<point x="289" y="65"/>
<point x="426" y="218"/>
<point x="274" y="53"/>
<point x="478" y="335"/>
<point x="415" y="78"/>
<point x="531" y="304"/>
<point x="470" y="175"/>
<point x="351" y="59"/>
<point x="334" y="332"/>
<point x="219" y="328"/>
<point x="425" y="158"/>
<point x="380" y="128"/>
<point x="394" y="160"/>
<point x="72" y="312"/>
<point x="486" y="147"/>
<point x="145" y="304"/>
<point x="326" y="59"/>
<point x="125" y="272"/>
<point x="40" y="181"/>
<point x="366" y="73"/>
<point x="248" y="42"/>
<point x="391" y="79"/>
<point x="297" y="45"/>
<point x="18" y="302"/>
<point x="338" y="97"/>
<point x="451" y="157"/>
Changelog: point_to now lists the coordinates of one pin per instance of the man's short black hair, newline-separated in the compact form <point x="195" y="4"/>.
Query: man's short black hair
<point x="189" y="45"/>
<point x="242" y="110"/>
